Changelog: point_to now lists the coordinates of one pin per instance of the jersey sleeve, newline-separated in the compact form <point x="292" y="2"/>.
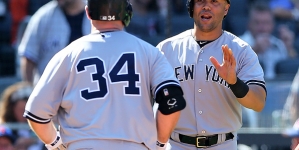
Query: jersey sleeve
<point x="30" y="43"/>
<point x="250" y="70"/>
<point x="46" y="97"/>
<point x="161" y="72"/>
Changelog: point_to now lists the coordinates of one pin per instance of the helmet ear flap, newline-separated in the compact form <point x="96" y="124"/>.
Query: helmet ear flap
<point x="89" y="10"/>
<point x="190" y="5"/>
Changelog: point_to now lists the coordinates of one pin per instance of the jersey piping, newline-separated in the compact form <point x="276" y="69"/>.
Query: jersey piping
<point x="34" y="118"/>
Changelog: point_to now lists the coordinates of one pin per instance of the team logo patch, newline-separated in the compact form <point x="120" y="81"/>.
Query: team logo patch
<point x="171" y="102"/>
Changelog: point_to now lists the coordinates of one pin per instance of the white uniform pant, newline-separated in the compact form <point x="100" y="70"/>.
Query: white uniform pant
<point x="105" y="145"/>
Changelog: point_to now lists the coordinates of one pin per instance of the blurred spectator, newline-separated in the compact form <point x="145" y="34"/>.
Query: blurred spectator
<point x="5" y="23"/>
<point x="237" y="17"/>
<point x="20" y="31"/>
<point x="165" y="18"/>
<point x="7" y="53"/>
<point x="7" y="139"/>
<point x="269" y="49"/>
<point x="50" y="29"/>
<point x="288" y="37"/>
<point x="34" y="5"/>
<point x="285" y="9"/>
<point x="291" y="107"/>
<point x="13" y="100"/>
<point x="179" y="6"/>
<point x="287" y="12"/>
<point x="177" y="19"/>
<point x="19" y="9"/>
<point x="163" y="7"/>
<point x="146" y="22"/>
<point x="294" y="134"/>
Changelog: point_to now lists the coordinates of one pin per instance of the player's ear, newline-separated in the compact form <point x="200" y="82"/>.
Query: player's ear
<point x="226" y="9"/>
<point x="87" y="12"/>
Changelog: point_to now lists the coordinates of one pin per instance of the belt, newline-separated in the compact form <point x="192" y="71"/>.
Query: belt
<point x="203" y="141"/>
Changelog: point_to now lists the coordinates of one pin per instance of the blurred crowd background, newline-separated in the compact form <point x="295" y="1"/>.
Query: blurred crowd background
<point x="271" y="27"/>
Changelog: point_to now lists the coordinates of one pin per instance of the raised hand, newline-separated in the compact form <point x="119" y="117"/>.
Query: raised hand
<point x="226" y="70"/>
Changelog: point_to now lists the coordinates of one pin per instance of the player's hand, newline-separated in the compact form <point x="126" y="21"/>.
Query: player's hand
<point x="163" y="146"/>
<point x="262" y="42"/>
<point x="226" y="70"/>
<point x="56" y="144"/>
<point x="286" y="35"/>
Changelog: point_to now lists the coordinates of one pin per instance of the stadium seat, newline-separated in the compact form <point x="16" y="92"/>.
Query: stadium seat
<point x="287" y="67"/>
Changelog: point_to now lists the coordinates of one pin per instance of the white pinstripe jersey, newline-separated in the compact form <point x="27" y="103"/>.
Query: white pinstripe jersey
<point x="211" y="107"/>
<point x="101" y="87"/>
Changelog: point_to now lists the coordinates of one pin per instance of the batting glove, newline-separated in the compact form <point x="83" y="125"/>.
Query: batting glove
<point x="56" y="144"/>
<point x="163" y="146"/>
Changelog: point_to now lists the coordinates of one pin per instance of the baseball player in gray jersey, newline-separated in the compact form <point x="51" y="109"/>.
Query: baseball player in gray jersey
<point x="219" y="73"/>
<point x="101" y="88"/>
<point x="48" y="32"/>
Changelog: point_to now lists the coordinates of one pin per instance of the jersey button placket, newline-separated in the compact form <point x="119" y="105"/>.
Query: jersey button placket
<point x="199" y="90"/>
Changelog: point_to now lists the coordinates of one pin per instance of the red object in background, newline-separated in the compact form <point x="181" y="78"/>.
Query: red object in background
<point x="18" y="10"/>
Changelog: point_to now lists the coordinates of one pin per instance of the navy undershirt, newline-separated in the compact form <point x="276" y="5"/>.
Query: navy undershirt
<point x="203" y="43"/>
<point x="75" y="23"/>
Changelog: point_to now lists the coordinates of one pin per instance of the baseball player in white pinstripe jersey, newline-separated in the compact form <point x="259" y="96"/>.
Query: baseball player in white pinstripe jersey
<point x="101" y="88"/>
<point x="219" y="74"/>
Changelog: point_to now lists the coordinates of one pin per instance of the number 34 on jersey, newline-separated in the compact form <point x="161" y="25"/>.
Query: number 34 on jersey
<point x="131" y="77"/>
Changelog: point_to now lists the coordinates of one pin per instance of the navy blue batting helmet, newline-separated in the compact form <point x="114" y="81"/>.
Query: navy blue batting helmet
<point x="110" y="10"/>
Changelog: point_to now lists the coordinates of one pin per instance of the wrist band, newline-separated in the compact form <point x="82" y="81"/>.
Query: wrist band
<point x="240" y="89"/>
<point x="56" y="143"/>
<point x="158" y="143"/>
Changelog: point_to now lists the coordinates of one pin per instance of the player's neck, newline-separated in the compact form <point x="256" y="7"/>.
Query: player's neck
<point x="105" y="26"/>
<point x="199" y="35"/>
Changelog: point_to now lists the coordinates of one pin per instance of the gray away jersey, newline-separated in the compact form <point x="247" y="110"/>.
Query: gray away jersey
<point x="211" y="108"/>
<point x="47" y="33"/>
<point x="102" y="87"/>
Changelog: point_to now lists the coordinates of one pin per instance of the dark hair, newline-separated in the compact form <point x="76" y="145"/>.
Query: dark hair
<point x="260" y="6"/>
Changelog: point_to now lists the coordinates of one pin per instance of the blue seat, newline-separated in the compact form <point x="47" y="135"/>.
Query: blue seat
<point x="287" y="67"/>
